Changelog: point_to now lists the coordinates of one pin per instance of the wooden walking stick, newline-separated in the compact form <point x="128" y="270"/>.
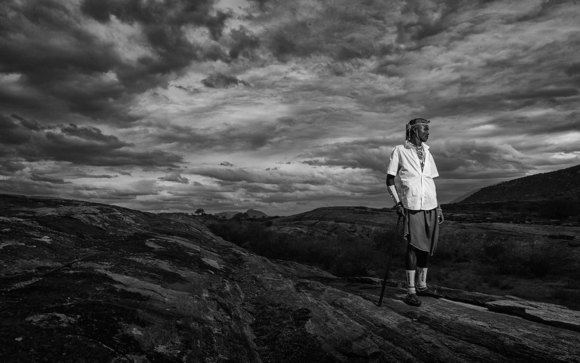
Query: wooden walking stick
<point x="389" y="258"/>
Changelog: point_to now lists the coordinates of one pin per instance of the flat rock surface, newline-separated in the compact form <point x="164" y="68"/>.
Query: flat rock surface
<point x="90" y="282"/>
<point x="546" y="313"/>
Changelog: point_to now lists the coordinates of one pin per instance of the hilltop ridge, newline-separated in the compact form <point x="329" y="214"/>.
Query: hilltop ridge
<point x="250" y="213"/>
<point x="563" y="184"/>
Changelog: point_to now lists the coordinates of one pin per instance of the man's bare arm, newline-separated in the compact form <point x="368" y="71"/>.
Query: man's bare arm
<point x="440" y="217"/>
<point x="393" y="191"/>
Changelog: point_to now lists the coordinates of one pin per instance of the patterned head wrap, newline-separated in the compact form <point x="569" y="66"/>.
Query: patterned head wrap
<point x="414" y="123"/>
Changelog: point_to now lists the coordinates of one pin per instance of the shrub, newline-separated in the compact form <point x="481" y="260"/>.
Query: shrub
<point x="560" y="209"/>
<point x="509" y="263"/>
<point x="568" y="297"/>
<point x="549" y="259"/>
<point x="342" y="255"/>
<point x="539" y="265"/>
<point x="351" y="258"/>
<point x="492" y="250"/>
<point x="454" y="250"/>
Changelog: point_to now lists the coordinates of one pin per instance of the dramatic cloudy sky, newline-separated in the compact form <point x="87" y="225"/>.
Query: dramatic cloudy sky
<point x="283" y="106"/>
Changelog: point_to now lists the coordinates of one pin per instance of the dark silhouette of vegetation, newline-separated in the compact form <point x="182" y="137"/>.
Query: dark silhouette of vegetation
<point x="552" y="212"/>
<point x="346" y="256"/>
<point x="490" y="264"/>
<point x="560" y="209"/>
<point x="342" y="255"/>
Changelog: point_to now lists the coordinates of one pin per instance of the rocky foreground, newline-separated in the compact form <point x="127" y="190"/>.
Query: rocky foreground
<point x="83" y="282"/>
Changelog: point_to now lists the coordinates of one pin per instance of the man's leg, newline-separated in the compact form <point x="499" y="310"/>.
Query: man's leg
<point x="422" y="289"/>
<point x="411" y="265"/>
<point x="422" y="261"/>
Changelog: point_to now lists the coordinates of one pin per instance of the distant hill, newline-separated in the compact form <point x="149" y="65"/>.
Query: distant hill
<point x="465" y="196"/>
<point x="225" y="215"/>
<point x="562" y="184"/>
<point x="253" y="213"/>
<point x="250" y="213"/>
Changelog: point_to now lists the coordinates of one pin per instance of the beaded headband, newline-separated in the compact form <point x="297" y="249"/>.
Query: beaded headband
<point x="413" y="124"/>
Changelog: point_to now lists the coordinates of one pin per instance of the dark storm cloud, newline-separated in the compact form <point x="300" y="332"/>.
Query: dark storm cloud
<point x="9" y="167"/>
<point x="43" y="37"/>
<point x="220" y="80"/>
<point x="163" y="26"/>
<point x="423" y="18"/>
<point x="15" y="130"/>
<point x="346" y="30"/>
<point x="59" y="62"/>
<point x="87" y="134"/>
<point x="30" y="187"/>
<point x="573" y="70"/>
<point x="280" y="135"/>
<point x="239" y="176"/>
<point x="342" y="29"/>
<point x="174" y="13"/>
<point x="494" y="102"/>
<point x="80" y="145"/>
<point x="545" y="124"/>
<point x="175" y="177"/>
<point x="228" y="174"/>
<point x="244" y="43"/>
<point x="80" y="174"/>
<point x="63" y="67"/>
<point x="232" y="137"/>
<point x="546" y="93"/>
<point x="479" y="160"/>
<point x="444" y="43"/>
<point x="47" y="179"/>
<point x="371" y="154"/>
<point x="508" y="85"/>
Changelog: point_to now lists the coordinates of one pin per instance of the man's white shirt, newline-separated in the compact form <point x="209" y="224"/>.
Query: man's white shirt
<point x="415" y="187"/>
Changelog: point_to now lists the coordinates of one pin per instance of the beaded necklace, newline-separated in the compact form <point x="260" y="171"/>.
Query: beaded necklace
<point x="421" y="155"/>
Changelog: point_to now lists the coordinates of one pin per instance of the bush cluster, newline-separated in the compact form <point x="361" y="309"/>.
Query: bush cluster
<point x="492" y="260"/>
<point x="535" y="262"/>
<point x="341" y="255"/>
<point x="560" y="209"/>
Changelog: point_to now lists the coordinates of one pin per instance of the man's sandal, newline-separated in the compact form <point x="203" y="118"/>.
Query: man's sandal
<point x="426" y="291"/>
<point x="412" y="299"/>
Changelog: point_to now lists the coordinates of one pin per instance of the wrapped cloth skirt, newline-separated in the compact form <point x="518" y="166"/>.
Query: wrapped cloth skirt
<point x="422" y="229"/>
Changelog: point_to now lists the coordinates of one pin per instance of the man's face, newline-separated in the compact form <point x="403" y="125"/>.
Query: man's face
<point x="423" y="132"/>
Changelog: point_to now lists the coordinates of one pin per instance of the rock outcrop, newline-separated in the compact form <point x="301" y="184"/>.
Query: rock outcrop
<point x="90" y="282"/>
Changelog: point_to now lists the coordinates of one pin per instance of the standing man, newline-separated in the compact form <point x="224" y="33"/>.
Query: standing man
<point x="410" y="182"/>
